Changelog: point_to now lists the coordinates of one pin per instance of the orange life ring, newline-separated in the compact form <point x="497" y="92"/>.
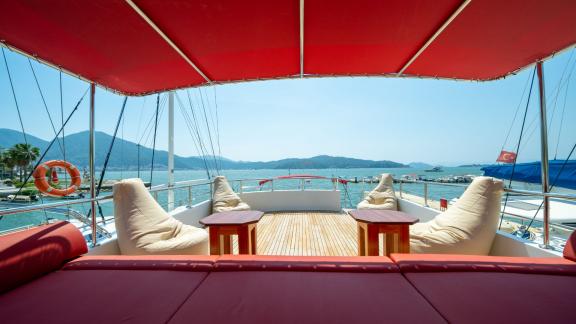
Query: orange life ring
<point x="42" y="184"/>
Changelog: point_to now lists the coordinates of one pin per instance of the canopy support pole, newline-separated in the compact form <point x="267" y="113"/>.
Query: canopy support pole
<point x="544" y="154"/>
<point x="167" y="39"/>
<point x="433" y="38"/>
<point x="301" y="38"/>
<point x="170" y="150"/>
<point x="91" y="167"/>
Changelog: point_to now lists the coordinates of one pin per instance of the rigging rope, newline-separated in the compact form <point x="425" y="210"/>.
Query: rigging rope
<point x="561" y="120"/>
<point x="516" y="113"/>
<point x="217" y="127"/>
<point x="533" y="126"/>
<point x="154" y="145"/>
<point x="518" y="145"/>
<point x="198" y="134"/>
<point x="107" y="159"/>
<point x="28" y="147"/>
<point x="188" y="123"/>
<point x="209" y="132"/>
<point x="45" y="105"/>
<point x="551" y="187"/>
<point x="14" y="96"/>
<point x="53" y="140"/>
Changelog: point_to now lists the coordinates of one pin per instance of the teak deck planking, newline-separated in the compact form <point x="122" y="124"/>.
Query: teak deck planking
<point x="306" y="234"/>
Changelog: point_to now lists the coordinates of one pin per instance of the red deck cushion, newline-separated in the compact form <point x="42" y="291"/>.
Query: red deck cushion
<point x="570" y="248"/>
<point x="475" y="263"/>
<point x="305" y="297"/>
<point x="143" y="262"/>
<point x="100" y="296"/>
<point x="489" y="297"/>
<point x="29" y="254"/>
<point x="303" y="263"/>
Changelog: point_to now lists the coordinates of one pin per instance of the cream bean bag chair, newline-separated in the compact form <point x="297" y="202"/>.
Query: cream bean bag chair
<point x="143" y="227"/>
<point x="224" y="198"/>
<point x="467" y="227"/>
<point x="382" y="197"/>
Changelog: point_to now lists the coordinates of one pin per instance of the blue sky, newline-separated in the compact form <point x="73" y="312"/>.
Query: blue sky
<point x="404" y="120"/>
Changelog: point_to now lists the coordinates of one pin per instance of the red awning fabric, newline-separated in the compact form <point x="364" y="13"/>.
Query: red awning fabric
<point x="114" y="44"/>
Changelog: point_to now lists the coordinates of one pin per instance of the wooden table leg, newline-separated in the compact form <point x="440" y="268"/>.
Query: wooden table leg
<point x="214" y="240"/>
<point x="227" y="238"/>
<point x="404" y="239"/>
<point x="253" y="238"/>
<point x="372" y="245"/>
<point x="361" y="240"/>
<point x="243" y="240"/>
<point x="389" y="243"/>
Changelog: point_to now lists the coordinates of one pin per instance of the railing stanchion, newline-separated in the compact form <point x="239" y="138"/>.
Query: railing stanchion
<point x="190" y="195"/>
<point x="241" y="189"/>
<point x="401" y="182"/>
<point x="426" y="194"/>
<point x="302" y="184"/>
<point x="272" y="185"/>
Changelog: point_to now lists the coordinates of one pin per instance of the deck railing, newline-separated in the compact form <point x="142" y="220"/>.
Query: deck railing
<point x="512" y="192"/>
<point x="191" y="190"/>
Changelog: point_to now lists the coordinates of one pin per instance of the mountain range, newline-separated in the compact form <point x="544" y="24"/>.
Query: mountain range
<point x="125" y="155"/>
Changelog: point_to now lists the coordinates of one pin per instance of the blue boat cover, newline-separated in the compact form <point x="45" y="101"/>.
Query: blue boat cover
<point x="560" y="175"/>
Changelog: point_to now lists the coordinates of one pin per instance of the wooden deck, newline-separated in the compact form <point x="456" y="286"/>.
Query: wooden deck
<point x="306" y="234"/>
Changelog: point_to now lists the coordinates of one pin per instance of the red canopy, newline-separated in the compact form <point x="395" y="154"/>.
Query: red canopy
<point x="144" y="46"/>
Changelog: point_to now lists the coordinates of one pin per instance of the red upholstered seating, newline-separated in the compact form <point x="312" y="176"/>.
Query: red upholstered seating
<point x="476" y="263"/>
<point x="29" y="254"/>
<point x="100" y="296"/>
<point x="274" y="289"/>
<point x="305" y="297"/>
<point x="302" y="263"/>
<point x="480" y="289"/>
<point x="143" y="262"/>
<point x="570" y="248"/>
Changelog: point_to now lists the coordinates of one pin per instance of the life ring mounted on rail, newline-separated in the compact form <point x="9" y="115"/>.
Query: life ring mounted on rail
<point x="42" y="184"/>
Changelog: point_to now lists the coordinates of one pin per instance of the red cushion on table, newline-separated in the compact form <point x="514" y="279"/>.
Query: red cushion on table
<point x="487" y="297"/>
<point x="570" y="248"/>
<point x="100" y="296"/>
<point x="28" y="254"/>
<point x="143" y="262"/>
<point x="303" y="263"/>
<point x="475" y="263"/>
<point x="305" y="297"/>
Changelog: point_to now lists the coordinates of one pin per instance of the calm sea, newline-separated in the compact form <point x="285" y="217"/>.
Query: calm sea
<point x="350" y="195"/>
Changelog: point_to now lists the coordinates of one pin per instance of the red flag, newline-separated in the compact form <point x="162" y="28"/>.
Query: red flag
<point x="506" y="157"/>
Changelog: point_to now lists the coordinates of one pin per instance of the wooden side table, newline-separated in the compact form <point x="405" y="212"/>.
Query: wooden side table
<point x="372" y="222"/>
<point x="224" y="225"/>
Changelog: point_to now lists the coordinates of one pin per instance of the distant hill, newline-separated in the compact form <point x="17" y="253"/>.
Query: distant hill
<point x="419" y="165"/>
<point x="125" y="155"/>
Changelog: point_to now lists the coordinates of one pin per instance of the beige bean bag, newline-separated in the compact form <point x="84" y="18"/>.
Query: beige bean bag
<point x="382" y="197"/>
<point x="143" y="227"/>
<point x="224" y="198"/>
<point x="467" y="227"/>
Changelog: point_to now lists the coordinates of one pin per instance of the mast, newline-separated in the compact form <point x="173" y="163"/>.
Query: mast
<point x="91" y="165"/>
<point x="544" y="153"/>
<point x="170" y="149"/>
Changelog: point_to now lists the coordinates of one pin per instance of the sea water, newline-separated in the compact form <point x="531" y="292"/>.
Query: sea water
<point x="351" y="194"/>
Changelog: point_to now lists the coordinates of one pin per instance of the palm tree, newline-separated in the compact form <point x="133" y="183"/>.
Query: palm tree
<point x="23" y="155"/>
<point x="7" y="163"/>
